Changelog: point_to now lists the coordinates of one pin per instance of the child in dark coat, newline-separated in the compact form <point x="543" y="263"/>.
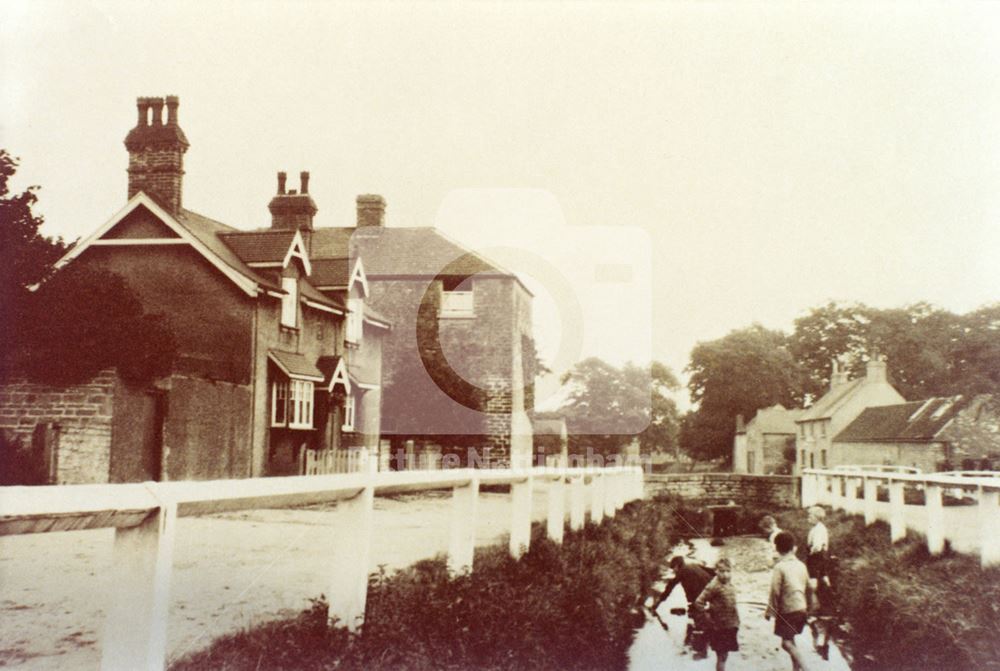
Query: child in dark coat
<point x="718" y="600"/>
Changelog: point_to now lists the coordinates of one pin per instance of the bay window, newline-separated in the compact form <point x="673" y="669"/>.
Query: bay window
<point x="292" y="404"/>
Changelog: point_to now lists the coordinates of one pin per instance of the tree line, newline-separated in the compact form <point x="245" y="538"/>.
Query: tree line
<point x="929" y="352"/>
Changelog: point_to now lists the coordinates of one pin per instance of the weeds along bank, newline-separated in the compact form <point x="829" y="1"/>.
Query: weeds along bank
<point x="574" y="606"/>
<point x="906" y="609"/>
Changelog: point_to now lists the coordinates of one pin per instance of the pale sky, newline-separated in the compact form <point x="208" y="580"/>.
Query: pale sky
<point x="753" y="161"/>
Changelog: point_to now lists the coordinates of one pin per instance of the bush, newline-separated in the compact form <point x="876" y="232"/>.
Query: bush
<point x="574" y="606"/>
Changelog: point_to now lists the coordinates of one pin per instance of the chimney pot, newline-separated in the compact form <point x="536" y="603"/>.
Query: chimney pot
<point x="304" y="181"/>
<point x="157" y="105"/>
<point x="142" y="105"/>
<point x="172" y="104"/>
<point x="876" y="369"/>
<point x="371" y="210"/>
<point x="282" y="177"/>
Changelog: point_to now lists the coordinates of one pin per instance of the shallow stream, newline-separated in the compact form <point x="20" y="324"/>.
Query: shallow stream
<point x="659" y="643"/>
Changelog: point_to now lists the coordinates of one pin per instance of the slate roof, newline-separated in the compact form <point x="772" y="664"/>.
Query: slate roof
<point x="259" y="246"/>
<point x="776" y="419"/>
<point x="388" y="251"/>
<point x="828" y="404"/>
<point x="210" y="233"/>
<point x="919" y="421"/>
<point x="296" y="365"/>
<point x="330" y="272"/>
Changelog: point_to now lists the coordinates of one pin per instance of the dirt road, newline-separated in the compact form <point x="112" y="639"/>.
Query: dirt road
<point x="230" y="571"/>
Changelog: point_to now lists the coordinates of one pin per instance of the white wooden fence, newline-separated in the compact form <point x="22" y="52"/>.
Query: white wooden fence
<point x="324" y="462"/>
<point x="144" y="517"/>
<point x="969" y="528"/>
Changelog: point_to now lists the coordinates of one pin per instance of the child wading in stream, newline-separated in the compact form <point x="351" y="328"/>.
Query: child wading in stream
<point x="718" y="599"/>
<point x="791" y="594"/>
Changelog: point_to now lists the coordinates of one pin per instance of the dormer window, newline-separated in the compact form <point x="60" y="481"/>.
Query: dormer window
<point x="289" y="302"/>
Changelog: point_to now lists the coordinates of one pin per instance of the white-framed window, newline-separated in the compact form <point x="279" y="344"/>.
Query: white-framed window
<point x="279" y="403"/>
<point x="457" y="304"/>
<point x="349" y="412"/>
<point x="289" y="301"/>
<point x="300" y="407"/>
<point x="292" y="404"/>
<point x="822" y="430"/>
<point x="355" y="320"/>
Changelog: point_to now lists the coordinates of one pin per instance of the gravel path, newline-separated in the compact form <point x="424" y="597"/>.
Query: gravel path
<point x="656" y="649"/>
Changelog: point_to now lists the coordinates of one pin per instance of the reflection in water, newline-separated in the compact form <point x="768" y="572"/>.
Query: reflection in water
<point x="659" y="643"/>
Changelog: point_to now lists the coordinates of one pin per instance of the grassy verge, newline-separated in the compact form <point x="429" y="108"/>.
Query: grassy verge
<point x="905" y="609"/>
<point x="573" y="606"/>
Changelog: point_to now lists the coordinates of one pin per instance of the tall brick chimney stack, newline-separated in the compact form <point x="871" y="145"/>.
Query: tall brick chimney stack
<point x="156" y="153"/>
<point x="371" y="210"/>
<point x="290" y="209"/>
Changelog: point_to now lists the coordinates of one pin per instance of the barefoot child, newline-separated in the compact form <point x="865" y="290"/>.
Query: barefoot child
<point x="790" y="596"/>
<point x="719" y="600"/>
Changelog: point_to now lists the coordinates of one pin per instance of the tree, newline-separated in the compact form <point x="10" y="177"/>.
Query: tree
<point x="922" y="344"/>
<point x="63" y="327"/>
<point x="735" y="375"/>
<point x="607" y="407"/>
<point x="26" y="256"/>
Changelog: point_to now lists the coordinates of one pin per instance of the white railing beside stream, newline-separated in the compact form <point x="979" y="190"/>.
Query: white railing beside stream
<point x="144" y="516"/>
<point x="968" y="528"/>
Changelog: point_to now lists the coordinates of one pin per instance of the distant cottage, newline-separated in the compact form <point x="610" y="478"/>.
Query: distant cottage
<point x="761" y="445"/>
<point x="943" y="433"/>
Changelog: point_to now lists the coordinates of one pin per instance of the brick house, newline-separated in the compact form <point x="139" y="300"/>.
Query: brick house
<point x="760" y="445"/>
<point x="279" y="346"/>
<point x="846" y="399"/>
<point x="459" y="361"/>
<point x="943" y="433"/>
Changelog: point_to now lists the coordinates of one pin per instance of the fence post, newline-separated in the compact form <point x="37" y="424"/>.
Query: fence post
<point x="897" y="511"/>
<point x="557" y="509"/>
<point x="596" y="497"/>
<point x="807" y="495"/>
<point x="520" y="523"/>
<point x="935" y="518"/>
<point x="577" y="503"/>
<point x="870" y="492"/>
<point x="989" y="538"/>
<point x="851" y="495"/>
<point x="822" y="495"/>
<point x="464" y="510"/>
<point x="610" y="494"/>
<point x="349" y="562"/>
<point x="638" y="485"/>
<point x="135" y="628"/>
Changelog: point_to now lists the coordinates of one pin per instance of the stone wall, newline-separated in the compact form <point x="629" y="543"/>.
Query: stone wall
<point x="778" y="491"/>
<point x="82" y="414"/>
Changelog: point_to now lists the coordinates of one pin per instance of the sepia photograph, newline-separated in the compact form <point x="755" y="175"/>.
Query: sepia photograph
<point x="500" y="336"/>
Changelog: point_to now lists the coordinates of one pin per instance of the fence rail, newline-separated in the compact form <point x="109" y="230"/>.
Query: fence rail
<point x="968" y="528"/>
<point x="144" y="517"/>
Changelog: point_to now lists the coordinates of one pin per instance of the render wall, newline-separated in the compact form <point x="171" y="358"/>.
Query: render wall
<point x="206" y="430"/>
<point x="209" y="315"/>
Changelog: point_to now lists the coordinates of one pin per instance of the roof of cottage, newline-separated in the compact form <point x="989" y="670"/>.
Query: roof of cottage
<point x="917" y="421"/>
<point x="830" y="401"/>
<point x="776" y="419"/>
